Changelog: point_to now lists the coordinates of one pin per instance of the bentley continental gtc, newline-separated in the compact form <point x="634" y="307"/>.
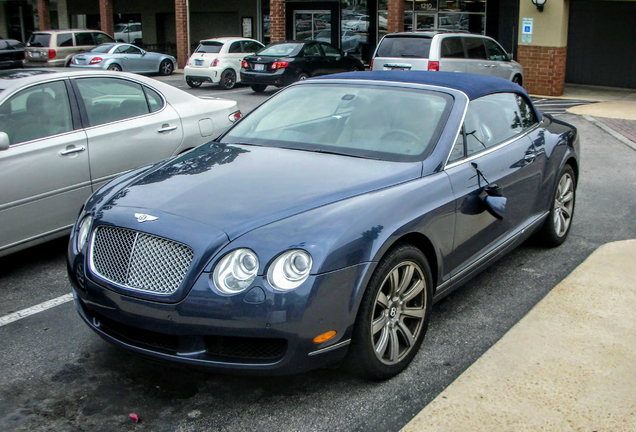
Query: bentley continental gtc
<point x="322" y="226"/>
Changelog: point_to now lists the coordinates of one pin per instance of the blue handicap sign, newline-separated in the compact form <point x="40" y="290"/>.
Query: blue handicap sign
<point x="526" y="29"/>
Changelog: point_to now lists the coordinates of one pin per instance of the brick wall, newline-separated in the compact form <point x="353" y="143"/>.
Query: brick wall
<point x="44" y="14"/>
<point x="277" y="20"/>
<point x="106" y="16"/>
<point x="395" y="16"/>
<point x="543" y="69"/>
<point x="181" y="15"/>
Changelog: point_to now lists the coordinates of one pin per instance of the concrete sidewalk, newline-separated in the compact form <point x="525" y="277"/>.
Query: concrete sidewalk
<point x="568" y="365"/>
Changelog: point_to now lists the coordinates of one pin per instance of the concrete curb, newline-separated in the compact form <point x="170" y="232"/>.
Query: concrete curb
<point x="611" y="131"/>
<point x="568" y="365"/>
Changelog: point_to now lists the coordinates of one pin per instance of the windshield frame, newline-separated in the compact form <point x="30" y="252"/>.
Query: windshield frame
<point x="433" y="143"/>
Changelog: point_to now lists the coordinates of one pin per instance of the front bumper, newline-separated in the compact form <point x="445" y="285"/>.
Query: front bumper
<point x="269" y="333"/>
<point x="279" y="78"/>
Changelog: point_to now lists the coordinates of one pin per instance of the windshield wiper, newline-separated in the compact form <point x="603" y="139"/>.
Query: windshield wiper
<point x="320" y="150"/>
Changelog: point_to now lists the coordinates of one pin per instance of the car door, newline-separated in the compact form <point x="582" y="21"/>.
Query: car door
<point x="133" y="59"/>
<point x="494" y="142"/>
<point x="84" y="41"/>
<point x="499" y="63"/>
<point x="45" y="175"/>
<point x="128" y="125"/>
<point x="234" y="56"/>
<point x="314" y="59"/>
<point x="452" y="55"/>
<point x="333" y="59"/>
<point x="476" y="54"/>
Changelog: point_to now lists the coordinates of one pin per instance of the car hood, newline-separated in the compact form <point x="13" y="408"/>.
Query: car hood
<point x="237" y="188"/>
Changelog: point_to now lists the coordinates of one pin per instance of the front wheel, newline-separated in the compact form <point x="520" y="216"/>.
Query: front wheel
<point x="557" y="226"/>
<point x="259" y="88"/>
<point x="393" y="315"/>
<point x="228" y="79"/>
<point x="166" y="68"/>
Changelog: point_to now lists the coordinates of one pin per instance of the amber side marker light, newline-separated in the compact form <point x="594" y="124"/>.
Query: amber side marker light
<point x="324" y="337"/>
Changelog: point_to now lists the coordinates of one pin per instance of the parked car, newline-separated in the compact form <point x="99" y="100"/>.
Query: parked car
<point x="359" y="23"/>
<point x="447" y="52"/>
<point x="283" y="63"/>
<point x="129" y="33"/>
<point x="218" y="61"/>
<point x="55" y="48"/>
<point x="65" y="134"/>
<point x="324" y="223"/>
<point x="349" y="41"/>
<point x="125" y="57"/>
<point x="11" y="53"/>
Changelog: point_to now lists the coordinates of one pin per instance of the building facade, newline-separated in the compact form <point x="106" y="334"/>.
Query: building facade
<point x="578" y="41"/>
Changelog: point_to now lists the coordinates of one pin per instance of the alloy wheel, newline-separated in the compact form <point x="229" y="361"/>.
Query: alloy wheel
<point x="228" y="79"/>
<point x="563" y="205"/>
<point x="166" y="68"/>
<point x="399" y="311"/>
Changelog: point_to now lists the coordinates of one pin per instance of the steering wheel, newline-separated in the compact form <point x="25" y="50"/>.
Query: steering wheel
<point x="411" y="137"/>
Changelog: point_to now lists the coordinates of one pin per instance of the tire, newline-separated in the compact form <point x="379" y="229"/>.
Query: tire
<point x="228" y="79"/>
<point x="517" y="80"/>
<point x="258" y="88"/>
<point x="114" y="67"/>
<point x="552" y="232"/>
<point x="193" y="83"/>
<point x="166" y="68"/>
<point x="390" y="317"/>
<point x="303" y="76"/>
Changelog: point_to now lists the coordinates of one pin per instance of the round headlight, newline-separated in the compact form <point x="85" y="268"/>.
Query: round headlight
<point x="235" y="271"/>
<point x="83" y="231"/>
<point x="289" y="270"/>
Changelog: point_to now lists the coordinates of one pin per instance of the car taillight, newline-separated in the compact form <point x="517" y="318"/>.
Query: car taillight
<point x="371" y="65"/>
<point x="235" y="116"/>
<point x="215" y="63"/>
<point x="188" y="62"/>
<point x="52" y="54"/>
<point x="433" y="66"/>
<point x="95" y="60"/>
<point x="245" y="65"/>
<point x="279" y="65"/>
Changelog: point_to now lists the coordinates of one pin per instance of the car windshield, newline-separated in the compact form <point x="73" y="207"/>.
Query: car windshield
<point x="209" y="47"/>
<point x="39" y="40"/>
<point x="404" y="46"/>
<point x="281" y="50"/>
<point x="120" y="28"/>
<point x="376" y="122"/>
<point x="102" y="48"/>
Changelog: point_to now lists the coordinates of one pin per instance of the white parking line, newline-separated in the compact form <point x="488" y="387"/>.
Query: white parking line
<point x="35" y="309"/>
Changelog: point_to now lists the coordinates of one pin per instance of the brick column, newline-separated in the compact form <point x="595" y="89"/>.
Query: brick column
<point x="106" y="16"/>
<point x="544" y="69"/>
<point x="181" y="14"/>
<point x="396" y="16"/>
<point x="44" y="14"/>
<point x="277" y="21"/>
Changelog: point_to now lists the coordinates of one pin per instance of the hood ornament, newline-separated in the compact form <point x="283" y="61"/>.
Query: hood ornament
<point x="142" y="217"/>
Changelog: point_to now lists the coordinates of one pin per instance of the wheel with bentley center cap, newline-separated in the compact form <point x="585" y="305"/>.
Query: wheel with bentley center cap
<point x="557" y="225"/>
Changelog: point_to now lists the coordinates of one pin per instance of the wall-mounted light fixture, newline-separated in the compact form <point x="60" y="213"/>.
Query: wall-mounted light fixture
<point x="539" y="4"/>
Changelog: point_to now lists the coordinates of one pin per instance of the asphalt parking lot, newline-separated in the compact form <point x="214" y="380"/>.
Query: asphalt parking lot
<point x="59" y="376"/>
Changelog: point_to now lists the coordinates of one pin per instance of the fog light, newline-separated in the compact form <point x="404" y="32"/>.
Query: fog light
<point x="324" y="337"/>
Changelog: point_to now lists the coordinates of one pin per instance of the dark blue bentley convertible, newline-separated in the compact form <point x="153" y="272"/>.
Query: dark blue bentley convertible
<point x="323" y="225"/>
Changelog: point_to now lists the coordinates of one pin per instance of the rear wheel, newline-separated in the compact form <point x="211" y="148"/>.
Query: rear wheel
<point x="228" y="79"/>
<point x="517" y="80"/>
<point x="393" y="315"/>
<point x="114" y="67"/>
<point x="193" y="83"/>
<point x="303" y="76"/>
<point x="557" y="226"/>
<point x="259" y="88"/>
<point x="166" y="68"/>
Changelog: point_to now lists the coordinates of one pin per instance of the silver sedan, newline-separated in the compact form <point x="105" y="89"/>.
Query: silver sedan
<point x="125" y="57"/>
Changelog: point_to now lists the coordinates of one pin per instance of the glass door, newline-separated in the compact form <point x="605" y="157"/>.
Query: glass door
<point x="312" y="25"/>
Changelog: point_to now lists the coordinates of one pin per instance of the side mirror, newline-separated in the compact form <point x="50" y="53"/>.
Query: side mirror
<point x="495" y="201"/>
<point x="4" y="141"/>
<point x="143" y="53"/>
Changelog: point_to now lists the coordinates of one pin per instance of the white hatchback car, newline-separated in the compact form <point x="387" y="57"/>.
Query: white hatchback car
<point x="219" y="61"/>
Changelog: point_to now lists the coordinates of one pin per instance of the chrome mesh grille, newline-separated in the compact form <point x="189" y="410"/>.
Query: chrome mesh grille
<point x="138" y="260"/>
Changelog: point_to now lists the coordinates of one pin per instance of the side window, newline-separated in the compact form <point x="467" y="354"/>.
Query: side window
<point x="37" y="112"/>
<point x="101" y="38"/>
<point x="84" y="39"/>
<point x="64" y="39"/>
<point x="235" y="48"/>
<point x="458" y="148"/>
<point x="528" y="117"/>
<point x="135" y="28"/>
<point x="330" y="51"/>
<point x="312" y="51"/>
<point x="131" y="50"/>
<point x="251" y="46"/>
<point x="155" y="102"/>
<point x="494" y="51"/>
<point x="475" y="48"/>
<point x="111" y="99"/>
<point x="491" y="120"/>
<point x="452" y="48"/>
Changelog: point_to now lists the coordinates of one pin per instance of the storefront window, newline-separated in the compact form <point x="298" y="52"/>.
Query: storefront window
<point x="463" y="5"/>
<point x="355" y="24"/>
<point x="265" y="10"/>
<point x="426" y="5"/>
<point x="453" y="15"/>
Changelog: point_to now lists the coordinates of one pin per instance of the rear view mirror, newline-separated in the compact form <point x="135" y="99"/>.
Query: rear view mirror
<point x="4" y="141"/>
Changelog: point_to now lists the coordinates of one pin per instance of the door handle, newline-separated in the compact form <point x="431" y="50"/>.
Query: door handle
<point x="71" y="150"/>
<point x="530" y="156"/>
<point x="166" y="128"/>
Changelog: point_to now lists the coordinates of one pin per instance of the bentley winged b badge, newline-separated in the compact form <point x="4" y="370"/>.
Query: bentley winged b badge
<point x="142" y="217"/>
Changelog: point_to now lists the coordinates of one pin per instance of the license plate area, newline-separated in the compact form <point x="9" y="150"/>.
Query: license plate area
<point x="259" y="67"/>
<point x="198" y="62"/>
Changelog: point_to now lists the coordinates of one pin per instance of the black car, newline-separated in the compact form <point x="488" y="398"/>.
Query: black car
<point x="282" y="63"/>
<point x="11" y="53"/>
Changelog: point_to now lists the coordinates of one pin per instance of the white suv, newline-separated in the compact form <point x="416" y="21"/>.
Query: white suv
<point x="446" y="51"/>
<point x="219" y="61"/>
